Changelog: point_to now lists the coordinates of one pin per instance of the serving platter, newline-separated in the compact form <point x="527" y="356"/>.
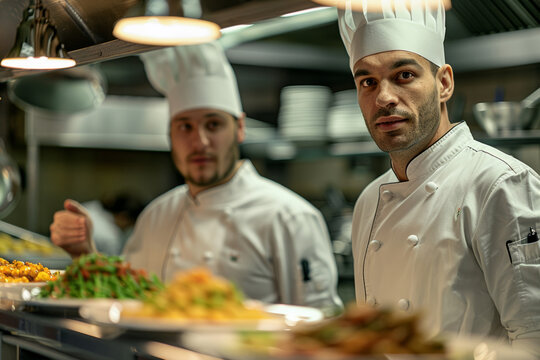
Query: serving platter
<point x="12" y="294"/>
<point x="233" y="346"/>
<point x="25" y="296"/>
<point x="111" y="312"/>
<point x="171" y="325"/>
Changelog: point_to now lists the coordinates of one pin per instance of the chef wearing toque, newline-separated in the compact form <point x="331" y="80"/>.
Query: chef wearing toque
<point x="268" y="240"/>
<point x="448" y="231"/>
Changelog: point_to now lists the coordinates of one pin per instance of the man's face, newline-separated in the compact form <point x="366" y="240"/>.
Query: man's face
<point x="399" y="99"/>
<point x="204" y="145"/>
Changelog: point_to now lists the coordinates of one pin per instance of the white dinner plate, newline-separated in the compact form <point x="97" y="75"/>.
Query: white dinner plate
<point x="109" y="312"/>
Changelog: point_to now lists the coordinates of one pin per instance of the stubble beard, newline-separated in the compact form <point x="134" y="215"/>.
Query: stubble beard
<point x="417" y="136"/>
<point x="232" y="157"/>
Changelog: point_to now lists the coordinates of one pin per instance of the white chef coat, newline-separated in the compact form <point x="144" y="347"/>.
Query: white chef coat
<point x="436" y="244"/>
<point x="249" y="230"/>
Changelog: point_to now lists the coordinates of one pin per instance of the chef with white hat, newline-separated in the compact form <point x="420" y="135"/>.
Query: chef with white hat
<point x="447" y="230"/>
<point x="268" y="240"/>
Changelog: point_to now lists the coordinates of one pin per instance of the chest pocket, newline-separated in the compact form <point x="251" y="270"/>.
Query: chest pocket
<point x="523" y="254"/>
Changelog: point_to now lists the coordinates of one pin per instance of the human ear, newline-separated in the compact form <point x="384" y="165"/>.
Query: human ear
<point x="241" y="128"/>
<point x="445" y="81"/>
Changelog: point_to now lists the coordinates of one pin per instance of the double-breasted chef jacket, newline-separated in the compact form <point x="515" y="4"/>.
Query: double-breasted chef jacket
<point x="273" y="244"/>
<point x="437" y="243"/>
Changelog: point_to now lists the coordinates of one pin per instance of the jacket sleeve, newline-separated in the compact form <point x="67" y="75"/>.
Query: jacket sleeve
<point x="511" y="266"/>
<point x="304" y="264"/>
<point x="134" y="250"/>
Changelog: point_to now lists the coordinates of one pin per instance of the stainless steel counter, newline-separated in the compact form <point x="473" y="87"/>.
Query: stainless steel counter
<point x="28" y="335"/>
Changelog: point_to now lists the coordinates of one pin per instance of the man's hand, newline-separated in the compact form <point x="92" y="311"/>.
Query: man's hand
<point x="72" y="229"/>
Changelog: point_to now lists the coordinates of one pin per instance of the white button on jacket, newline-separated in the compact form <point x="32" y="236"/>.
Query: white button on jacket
<point x="207" y="257"/>
<point x="386" y="195"/>
<point x="375" y="245"/>
<point x="431" y="187"/>
<point x="413" y="240"/>
<point x="403" y="304"/>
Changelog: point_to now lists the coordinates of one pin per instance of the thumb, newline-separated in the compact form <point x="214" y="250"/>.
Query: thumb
<point x="74" y="206"/>
<point x="77" y="208"/>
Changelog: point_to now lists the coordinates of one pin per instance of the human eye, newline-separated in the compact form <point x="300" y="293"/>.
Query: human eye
<point x="214" y="124"/>
<point x="405" y="75"/>
<point x="182" y="126"/>
<point x="367" y="82"/>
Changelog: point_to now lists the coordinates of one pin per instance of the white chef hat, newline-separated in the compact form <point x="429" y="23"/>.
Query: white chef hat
<point x="417" y="26"/>
<point x="194" y="76"/>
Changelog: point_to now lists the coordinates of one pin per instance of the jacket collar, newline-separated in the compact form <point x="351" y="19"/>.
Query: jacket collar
<point x="226" y="193"/>
<point x="442" y="151"/>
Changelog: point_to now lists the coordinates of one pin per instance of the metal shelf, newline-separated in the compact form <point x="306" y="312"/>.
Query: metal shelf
<point x="282" y="149"/>
<point x="514" y="138"/>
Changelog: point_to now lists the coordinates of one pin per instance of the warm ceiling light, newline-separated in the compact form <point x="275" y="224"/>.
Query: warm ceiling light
<point x="166" y="23"/>
<point x="374" y="5"/>
<point x="37" y="46"/>
<point x="166" y="30"/>
<point x="39" y="63"/>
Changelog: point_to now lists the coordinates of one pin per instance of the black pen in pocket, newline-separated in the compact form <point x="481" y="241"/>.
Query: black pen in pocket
<point x="532" y="237"/>
<point x="508" y="249"/>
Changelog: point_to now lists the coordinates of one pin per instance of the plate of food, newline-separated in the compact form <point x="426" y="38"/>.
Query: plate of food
<point x="100" y="276"/>
<point x="20" y="280"/>
<point x="93" y="278"/>
<point x="196" y="300"/>
<point x="361" y="333"/>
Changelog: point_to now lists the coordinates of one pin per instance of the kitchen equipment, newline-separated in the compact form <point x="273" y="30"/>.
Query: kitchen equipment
<point x="64" y="91"/>
<point x="530" y="111"/>
<point x="10" y="182"/>
<point x="496" y="118"/>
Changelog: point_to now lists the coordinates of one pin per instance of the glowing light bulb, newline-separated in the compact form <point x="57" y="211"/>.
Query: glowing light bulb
<point x="38" y="63"/>
<point x="166" y="30"/>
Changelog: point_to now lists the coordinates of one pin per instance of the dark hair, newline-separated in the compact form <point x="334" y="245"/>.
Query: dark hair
<point x="434" y="68"/>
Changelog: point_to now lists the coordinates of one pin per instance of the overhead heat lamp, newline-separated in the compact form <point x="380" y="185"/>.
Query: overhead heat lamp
<point x="37" y="46"/>
<point x="166" y="23"/>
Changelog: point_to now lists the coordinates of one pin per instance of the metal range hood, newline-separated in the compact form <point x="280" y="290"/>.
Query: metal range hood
<point x="478" y="29"/>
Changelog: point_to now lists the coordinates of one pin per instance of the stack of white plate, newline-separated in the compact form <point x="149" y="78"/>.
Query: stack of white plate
<point x="345" y="120"/>
<point x="303" y="112"/>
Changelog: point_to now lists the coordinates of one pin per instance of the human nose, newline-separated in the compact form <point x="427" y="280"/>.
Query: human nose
<point x="201" y="137"/>
<point x="386" y="97"/>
